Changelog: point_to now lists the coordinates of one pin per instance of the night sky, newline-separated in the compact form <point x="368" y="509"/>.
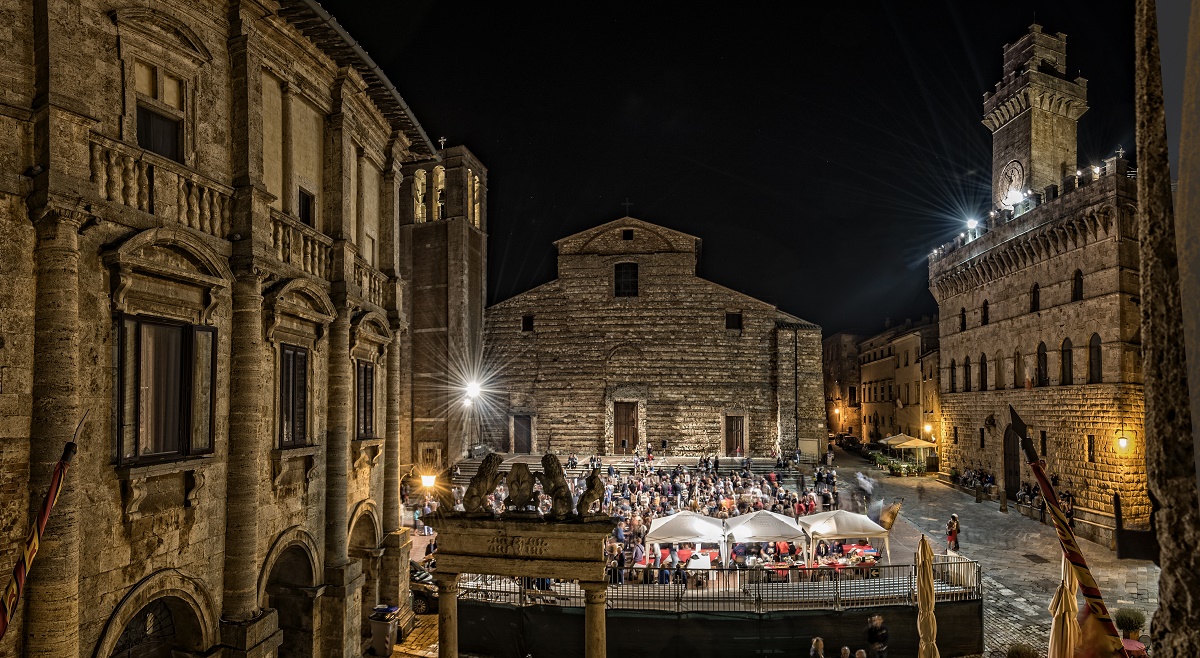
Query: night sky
<point x="819" y="153"/>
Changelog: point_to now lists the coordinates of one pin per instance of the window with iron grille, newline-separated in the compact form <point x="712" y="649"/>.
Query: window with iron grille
<point x="733" y="321"/>
<point x="625" y="280"/>
<point x="293" y="396"/>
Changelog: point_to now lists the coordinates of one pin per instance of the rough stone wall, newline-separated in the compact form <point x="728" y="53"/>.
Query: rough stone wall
<point x="191" y="241"/>
<point x="841" y="374"/>
<point x="667" y="349"/>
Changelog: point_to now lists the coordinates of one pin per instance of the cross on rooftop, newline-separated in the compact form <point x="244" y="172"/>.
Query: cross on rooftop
<point x="627" y="205"/>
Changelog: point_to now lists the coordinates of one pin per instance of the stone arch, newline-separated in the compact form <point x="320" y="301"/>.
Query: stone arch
<point x="294" y="536"/>
<point x="660" y="242"/>
<point x="365" y="538"/>
<point x="302" y="298"/>
<point x="188" y="601"/>
<point x="369" y="510"/>
<point x="174" y="253"/>
<point x="621" y="361"/>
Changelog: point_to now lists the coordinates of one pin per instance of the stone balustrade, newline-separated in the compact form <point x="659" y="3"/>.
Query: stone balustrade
<point x="152" y="184"/>
<point x="300" y="245"/>
<point x="370" y="281"/>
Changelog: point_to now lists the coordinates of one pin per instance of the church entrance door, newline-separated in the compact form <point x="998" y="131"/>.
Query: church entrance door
<point x="735" y="436"/>
<point x="1012" y="465"/>
<point x="625" y="427"/>
<point x="522" y="434"/>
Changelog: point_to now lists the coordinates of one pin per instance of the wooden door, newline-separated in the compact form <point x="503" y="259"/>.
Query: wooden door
<point x="625" y="427"/>
<point x="1012" y="465"/>
<point x="522" y="434"/>
<point x="735" y="435"/>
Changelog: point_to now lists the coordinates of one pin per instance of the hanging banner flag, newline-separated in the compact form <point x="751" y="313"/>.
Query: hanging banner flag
<point x="12" y="593"/>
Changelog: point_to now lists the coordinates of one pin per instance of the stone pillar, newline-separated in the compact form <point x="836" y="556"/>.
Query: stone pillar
<point x="52" y="593"/>
<point x="595" y="633"/>
<point x="248" y="382"/>
<point x="397" y="542"/>
<point x="447" y="614"/>
<point x="341" y="620"/>
<point x="288" y="202"/>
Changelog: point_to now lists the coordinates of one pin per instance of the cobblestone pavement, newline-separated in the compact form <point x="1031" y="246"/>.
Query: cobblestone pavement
<point x="1020" y="558"/>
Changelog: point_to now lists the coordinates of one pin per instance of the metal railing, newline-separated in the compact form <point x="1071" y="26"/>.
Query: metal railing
<point x="742" y="590"/>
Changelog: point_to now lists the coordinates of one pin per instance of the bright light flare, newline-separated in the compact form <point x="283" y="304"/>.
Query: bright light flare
<point x="473" y="390"/>
<point x="428" y="481"/>
<point x="971" y="224"/>
<point x="929" y="428"/>
<point x="1123" y="443"/>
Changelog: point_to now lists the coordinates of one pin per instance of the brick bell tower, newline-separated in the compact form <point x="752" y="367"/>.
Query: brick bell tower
<point x="1033" y="116"/>
<point x="443" y="259"/>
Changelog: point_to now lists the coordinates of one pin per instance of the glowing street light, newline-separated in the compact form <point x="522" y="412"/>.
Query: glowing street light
<point x="928" y="428"/>
<point x="473" y="390"/>
<point x="971" y="224"/>
<point x="428" y="481"/>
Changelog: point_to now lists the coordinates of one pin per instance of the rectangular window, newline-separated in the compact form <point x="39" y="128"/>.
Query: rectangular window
<point x="853" y="393"/>
<point x="955" y="436"/>
<point x="733" y="321"/>
<point x="1043" y="453"/>
<point x="625" y="280"/>
<point x="158" y="133"/>
<point x="981" y="438"/>
<point x="627" y="234"/>
<point x="365" y="400"/>
<point x="526" y="323"/>
<point x="1091" y="447"/>
<point x="293" y="396"/>
<point x="164" y="389"/>
<point x="304" y="207"/>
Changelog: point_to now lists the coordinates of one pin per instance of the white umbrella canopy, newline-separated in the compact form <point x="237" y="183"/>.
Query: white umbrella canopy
<point x="898" y="438"/>
<point x="840" y="524"/>
<point x="686" y="527"/>
<point x="926" y="621"/>
<point x="762" y="525"/>
<point x="914" y="443"/>
<point x="1065" y="633"/>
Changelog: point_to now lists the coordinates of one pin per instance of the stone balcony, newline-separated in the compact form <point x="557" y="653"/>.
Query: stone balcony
<point x="300" y="246"/>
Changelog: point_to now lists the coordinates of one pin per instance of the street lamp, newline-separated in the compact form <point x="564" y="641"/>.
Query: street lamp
<point x="428" y="481"/>
<point x="472" y="392"/>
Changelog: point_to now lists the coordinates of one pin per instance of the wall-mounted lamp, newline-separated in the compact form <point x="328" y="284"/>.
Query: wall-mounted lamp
<point x="428" y="481"/>
<point x="1122" y="443"/>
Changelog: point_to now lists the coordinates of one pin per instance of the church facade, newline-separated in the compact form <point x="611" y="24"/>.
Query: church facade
<point x="630" y="351"/>
<point x="220" y="227"/>
<point x="1039" y="303"/>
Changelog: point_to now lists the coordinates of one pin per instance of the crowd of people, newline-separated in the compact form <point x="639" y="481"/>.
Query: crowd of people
<point x="876" y="637"/>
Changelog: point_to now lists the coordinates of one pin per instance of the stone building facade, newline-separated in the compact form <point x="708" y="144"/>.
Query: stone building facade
<point x="629" y="349"/>
<point x="843" y="413"/>
<point x="206" y="244"/>
<point x="1040" y="302"/>
<point x="896" y="399"/>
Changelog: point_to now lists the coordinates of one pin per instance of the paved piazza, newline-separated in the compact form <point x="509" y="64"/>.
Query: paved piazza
<point x="1017" y="589"/>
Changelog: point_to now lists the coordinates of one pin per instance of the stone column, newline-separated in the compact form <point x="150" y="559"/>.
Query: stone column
<point x="289" y="173"/>
<point x="396" y="541"/>
<point x="595" y="633"/>
<point x="447" y="614"/>
<point x="247" y="442"/>
<point x="52" y="594"/>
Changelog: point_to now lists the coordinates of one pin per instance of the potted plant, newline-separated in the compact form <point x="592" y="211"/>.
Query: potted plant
<point x="1020" y="650"/>
<point x="1130" y="621"/>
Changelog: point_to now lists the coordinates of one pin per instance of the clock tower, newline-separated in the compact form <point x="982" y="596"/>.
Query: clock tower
<point x="1033" y="115"/>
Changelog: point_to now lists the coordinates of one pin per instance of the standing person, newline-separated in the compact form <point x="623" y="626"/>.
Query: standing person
<point x="877" y="637"/>
<point x="818" y="648"/>
<point x="952" y="530"/>
<point x="845" y="653"/>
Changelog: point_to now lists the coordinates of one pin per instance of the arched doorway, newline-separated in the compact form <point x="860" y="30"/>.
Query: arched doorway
<point x="290" y="592"/>
<point x="364" y="546"/>
<point x="159" y="629"/>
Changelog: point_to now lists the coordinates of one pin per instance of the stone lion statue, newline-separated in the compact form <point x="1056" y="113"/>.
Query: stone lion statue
<point x="593" y="493"/>
<point x="554" y="484"/>
<point x="483" y="484"/>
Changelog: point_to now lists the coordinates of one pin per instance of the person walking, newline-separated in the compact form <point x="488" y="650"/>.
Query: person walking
<point x="952" y="530"/>
<point x="877" y="637"/>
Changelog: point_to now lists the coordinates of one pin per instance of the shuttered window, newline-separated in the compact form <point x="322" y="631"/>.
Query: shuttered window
<point x="293" y="396"/>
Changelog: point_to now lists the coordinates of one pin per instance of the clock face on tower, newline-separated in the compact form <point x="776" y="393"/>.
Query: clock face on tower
<point x="1010" y="188"/>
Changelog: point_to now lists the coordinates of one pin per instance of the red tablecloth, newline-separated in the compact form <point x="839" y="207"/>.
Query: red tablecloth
<point x="1134" y="648"/>
<point x="684" y="554"/>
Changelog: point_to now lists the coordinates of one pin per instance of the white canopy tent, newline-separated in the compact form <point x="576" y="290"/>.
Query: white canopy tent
<point x="762" y="526"/>
<point x="840" y="524"/>
<point x="687" y="528"/>
<point x="896" y="439"/>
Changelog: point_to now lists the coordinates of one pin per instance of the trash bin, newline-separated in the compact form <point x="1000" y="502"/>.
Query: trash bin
<point x="384" y="620"/>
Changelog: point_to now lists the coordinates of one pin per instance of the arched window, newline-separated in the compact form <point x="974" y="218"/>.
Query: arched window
<point x="1094" y="369"/>
<point x="1043" y="375"/>
<point x="1018" y="370"/>
<point x="1067" y="374"/>
<point x="999" y="371"/>
<point x="953" y="376"/>
<point x="1035" y="298"/>
<point x="983" y="313"/>
<point x="983" y="372"/>
<point x="962" y="320"/>
<point x="967" y="375"/>
<point x="1077" y="287"/>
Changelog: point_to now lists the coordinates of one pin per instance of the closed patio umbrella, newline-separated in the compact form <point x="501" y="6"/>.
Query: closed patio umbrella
<point x="926" y="622"/>
<point x="1064" y="627"/>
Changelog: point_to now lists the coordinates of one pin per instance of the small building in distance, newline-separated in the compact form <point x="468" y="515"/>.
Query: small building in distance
<point x="843" y="413"/>
<point x="895" y="395"/>
<point x="629" y="350"/>
<point x="1039" y="303"/>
